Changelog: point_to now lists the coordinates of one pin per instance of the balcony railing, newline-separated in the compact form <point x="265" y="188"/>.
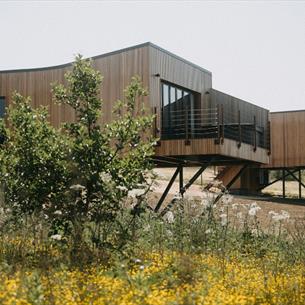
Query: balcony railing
<point x="213" y="123"/>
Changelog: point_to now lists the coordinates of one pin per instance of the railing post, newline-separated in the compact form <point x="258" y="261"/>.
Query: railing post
<point x="269" y="138"/>
<point x="222" y="125"/>
<point x="239" y="130"/>
<point x="218" y="124"/>
<point x="254" y="133"/>
<point x="187" y="141"/>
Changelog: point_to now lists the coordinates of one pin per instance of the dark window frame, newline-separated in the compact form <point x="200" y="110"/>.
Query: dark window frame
<point x="166" y="114"/>
<point x="2" y="97"/>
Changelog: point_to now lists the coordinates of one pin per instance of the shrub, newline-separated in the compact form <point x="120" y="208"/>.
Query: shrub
<point x="32" y="159"/>
<point x="79" y="177"/>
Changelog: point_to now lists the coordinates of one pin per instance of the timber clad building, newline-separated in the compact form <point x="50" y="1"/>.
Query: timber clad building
<point x="197" y="125"/>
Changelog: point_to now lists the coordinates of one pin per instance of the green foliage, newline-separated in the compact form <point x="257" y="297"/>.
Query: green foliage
<point x="79" y="178"/>
<point x="32" y="158"/>
<point x="108" y="160"/>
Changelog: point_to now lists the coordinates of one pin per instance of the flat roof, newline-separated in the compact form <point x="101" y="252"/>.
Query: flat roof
<point x="109" y="54"/>
<point x="288" y="111"/>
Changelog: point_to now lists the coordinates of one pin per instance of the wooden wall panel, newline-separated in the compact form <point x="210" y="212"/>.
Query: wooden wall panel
<point x="178" y="148"/>
<point x="36" y="84"/>
<point x="117" y="69"/>
<point x="287" y="139"/>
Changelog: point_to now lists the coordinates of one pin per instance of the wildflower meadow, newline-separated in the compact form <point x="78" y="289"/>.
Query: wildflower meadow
<point x="78" y="226"/>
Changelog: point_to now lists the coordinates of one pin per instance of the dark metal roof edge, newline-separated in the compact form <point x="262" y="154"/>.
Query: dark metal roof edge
<point x="109" y="54"/>
<point x="179" y="58"/>
<point x="70" y="63"/>
<point x="240" y="99"/>
<point x="300" y="110"/>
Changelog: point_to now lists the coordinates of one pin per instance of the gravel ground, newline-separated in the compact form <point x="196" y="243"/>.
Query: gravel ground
<point x="295" y="208"/>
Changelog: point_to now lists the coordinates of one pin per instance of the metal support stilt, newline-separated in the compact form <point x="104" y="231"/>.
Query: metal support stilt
<point x="274" y="181"/>
<point x="193" y="179"/>
<point x="184" y="188"/>
<point x="181" y="180"/>
<point x="167" y="188"/>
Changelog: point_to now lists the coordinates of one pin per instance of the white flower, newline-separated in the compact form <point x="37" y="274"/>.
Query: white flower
<point x="208" y="231"/>
<point x="56" y="237"/>
<point x="272" y="213"/>
<point x="122" y="188"/>
<point x="58" y="212"/>
<point x="279" y="216"/>
<point x="136" y="193"/>
<point x="105" y="177"/>
<point x="205" y="203"/>
<point x="137" y="261"/>
<point x="223" y="219"/>
<point x="169" y="216"/>
<point x="254" y="231"/>
<point x="77" y="187"/>
<point x="254" y="208"/>
<point x="141" y="267"/>
<point x="285" y="214"/>
<point x="46" y="216"/>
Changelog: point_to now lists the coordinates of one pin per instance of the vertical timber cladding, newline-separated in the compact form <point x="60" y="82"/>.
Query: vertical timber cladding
<point x="117" y="69"/>
<point x="287" y="139"/>
<point x="177" y="71"/>
<point x="36" y="84"/>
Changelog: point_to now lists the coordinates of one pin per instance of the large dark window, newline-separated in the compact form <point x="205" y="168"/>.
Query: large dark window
<point x="178" y="106"/>
<point x="2" y="107"/>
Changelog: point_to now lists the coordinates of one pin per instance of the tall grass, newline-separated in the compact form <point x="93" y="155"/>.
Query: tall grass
<point x="198" y="253"/>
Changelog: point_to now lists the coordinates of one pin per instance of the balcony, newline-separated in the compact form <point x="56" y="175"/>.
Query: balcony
<point x="214" y="123"/>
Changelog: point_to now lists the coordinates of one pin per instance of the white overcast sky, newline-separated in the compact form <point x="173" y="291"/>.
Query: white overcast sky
<point x="255" y="50"/>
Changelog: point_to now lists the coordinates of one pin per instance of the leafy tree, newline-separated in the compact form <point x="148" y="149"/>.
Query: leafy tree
<point x="79" y="177"/>
<point x="108" y="159"/>
<point x="32" y="159"/>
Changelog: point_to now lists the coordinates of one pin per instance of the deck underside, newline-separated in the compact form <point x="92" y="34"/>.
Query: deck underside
<point x="206" y="150"/>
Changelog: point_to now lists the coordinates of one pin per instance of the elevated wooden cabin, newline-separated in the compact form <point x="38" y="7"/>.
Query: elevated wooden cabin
<point x="195" y="123"/>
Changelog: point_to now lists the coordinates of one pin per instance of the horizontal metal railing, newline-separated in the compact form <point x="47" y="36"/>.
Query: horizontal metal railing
<point x="213" y="123"/>
<point x="189" y="124"/>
